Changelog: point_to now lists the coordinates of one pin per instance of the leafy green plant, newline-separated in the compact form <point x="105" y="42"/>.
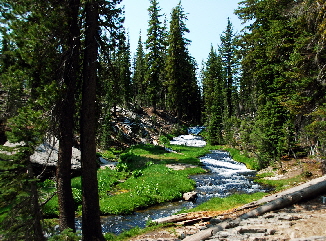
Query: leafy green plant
<point x="77" y="194"/>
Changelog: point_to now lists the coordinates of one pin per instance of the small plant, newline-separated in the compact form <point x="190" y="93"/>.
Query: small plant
<point x="65" y="235"/>
<point x="307" y="174"/>
<point x="164" y="140"/>
<point x="150" y="163"/>
<point x="48" y="183"/>
<point x="137" y="173"/>
<point x="122" y="167"/>
<point x="150" y="223"/>
<point x="77" y="194"/>
<point x="108" y="154"/>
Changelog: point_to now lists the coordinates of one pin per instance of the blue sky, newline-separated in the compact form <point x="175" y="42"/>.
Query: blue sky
<point x="207" y="19"/>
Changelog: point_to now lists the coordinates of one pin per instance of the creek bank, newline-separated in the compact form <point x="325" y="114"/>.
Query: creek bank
<point x="224" y="178"/>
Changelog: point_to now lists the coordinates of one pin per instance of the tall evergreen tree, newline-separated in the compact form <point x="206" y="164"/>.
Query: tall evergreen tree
<point x="32" y="46"/>
<point x="266" y="49"/>
<point x="43" y="41"/>
<point x="213" y="97"/>
<point x="124" y="63"/>
<point x="66" y="113"/>
<point x="227" y="52"/>
<point x="155" y="45"/>
<point x="91" y="210"/>
<point x="183" y="92"/>
<point x="139" y="74"/>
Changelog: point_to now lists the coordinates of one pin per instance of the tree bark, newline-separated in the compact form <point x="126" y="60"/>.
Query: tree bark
<point x="91" y="225"/>
<point x="66" y="120"/>
<point x="274" y="202"/>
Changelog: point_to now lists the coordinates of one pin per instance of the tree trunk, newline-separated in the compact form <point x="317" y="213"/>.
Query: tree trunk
<point x="274" y="202"/>
<point x="66" y="121"/>
<point x="91" y="225"/>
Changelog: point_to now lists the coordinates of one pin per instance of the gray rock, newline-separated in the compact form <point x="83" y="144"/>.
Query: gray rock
<point x="189" y="196"/>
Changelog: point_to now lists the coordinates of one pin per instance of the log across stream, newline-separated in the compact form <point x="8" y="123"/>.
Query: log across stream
<point x="225" y="177"/>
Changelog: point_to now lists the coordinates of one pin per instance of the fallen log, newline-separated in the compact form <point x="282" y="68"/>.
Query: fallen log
<point x="184" y="218"/>
<point x="269" y="203"/>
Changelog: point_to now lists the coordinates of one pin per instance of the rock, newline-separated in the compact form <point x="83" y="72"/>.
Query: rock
<point x="189" y="196"/>
<point x="45" y="158"/>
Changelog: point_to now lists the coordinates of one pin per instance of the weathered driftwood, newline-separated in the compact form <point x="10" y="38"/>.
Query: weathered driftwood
<point x="269" y="203"/>
<point x="185" y="218"/>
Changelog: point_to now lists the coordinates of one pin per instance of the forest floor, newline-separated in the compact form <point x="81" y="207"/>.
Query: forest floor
<point x="301" y="221"/>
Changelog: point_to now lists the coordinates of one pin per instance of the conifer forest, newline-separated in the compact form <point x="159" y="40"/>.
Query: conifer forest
<point x="66" y="66"/>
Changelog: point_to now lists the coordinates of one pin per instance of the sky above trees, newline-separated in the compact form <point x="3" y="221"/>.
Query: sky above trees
<point x="206" y="21"/>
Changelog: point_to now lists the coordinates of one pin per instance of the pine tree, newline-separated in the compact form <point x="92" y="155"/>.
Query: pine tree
<point x="124" y="64"/>
<point x="35" y="56"/>
<point x="227" y="52"/>
<point x="155" y="45"/>
<point x="91" y="209"/>
<point x="139" y="74"/>
<point x="66" y="115"/>
<point x="213" y="97"/>
<point x="266" y="49"/>
<point x="183" y="92"/>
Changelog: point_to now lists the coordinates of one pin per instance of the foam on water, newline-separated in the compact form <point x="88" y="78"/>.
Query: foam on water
<point x="188" y="140"/>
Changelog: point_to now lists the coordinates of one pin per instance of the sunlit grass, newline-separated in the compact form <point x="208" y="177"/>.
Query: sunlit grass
<point x="126" y="235"/>
<point x="180" y="154"/>
<point x="154" y="184"/>
<point x="226" y="203"/>
<point x="282" y="184"/>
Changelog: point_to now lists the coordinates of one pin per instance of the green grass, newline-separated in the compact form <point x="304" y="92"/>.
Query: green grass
<point x="141" y="180"/>
<point x="157" y="154"/>
<point x="155" y="184"/>
<point x="126" y="235"/>
<point x="107" y="180"/>
<point x="280" y="185"/>
<point x="233" y="201"/>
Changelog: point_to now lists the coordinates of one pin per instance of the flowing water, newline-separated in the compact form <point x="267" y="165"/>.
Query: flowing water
<point x="225" y="177"/>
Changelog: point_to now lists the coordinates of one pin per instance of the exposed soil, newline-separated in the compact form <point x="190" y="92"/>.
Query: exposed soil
<point x="302" y="221"/>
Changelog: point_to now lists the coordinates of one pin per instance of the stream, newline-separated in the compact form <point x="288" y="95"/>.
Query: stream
<point x="225" y="177"/>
